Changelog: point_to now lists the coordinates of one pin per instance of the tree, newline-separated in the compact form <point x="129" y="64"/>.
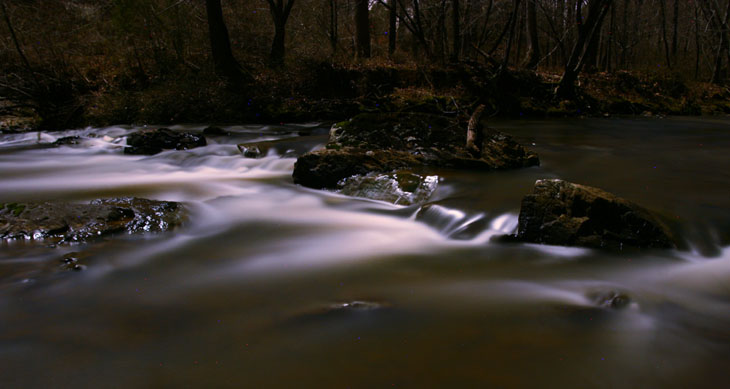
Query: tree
<point x="587" y="30"/>
<point x="280" y="14"/>
<point x="667" y="50"/>
<point x="455" y="27"/>
<point x="392" y="18"/>
<point x="226" y="65"/>
<point x="533" y="55"/>
<point x="333" y="33"/>
<point x="675" y="28"/>
<point x="714" y="14"/>
<point x="362" y="28"/>
<point x="510" y="37"/>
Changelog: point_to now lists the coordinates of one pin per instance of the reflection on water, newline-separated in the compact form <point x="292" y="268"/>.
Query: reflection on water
<point x="262" y="288"/>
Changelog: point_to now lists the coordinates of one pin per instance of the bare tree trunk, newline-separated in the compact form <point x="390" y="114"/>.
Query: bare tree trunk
<point x="512" y="22"/>
<point x="333" y="33"/>
<point x="392" y="18"/>
<point x="485" y="28"/>
<point x="439" y="36"/>
<point x="279" y="13"/>
<point x="697" y="43"/>
<point x="225" y="64"/>
<point x="467" y="33"/>
<point x="720" y="24"/>
<point x="675" y="28"/>
<point x="608" y="64"/>
<point x="597" y="10"/>
<point x="410" y="18"/>
<point x="505" y="30"/>
<point x="533" y="55"/>
<point x="590" y="57"/>
<point x="520" y="28"/>
<point x="16" y="42"/>
<point x="278" y="45"/>
<point x="724" y="46"/>
<point x="456" y="31"/>
<point x="667" y="52"/>
<point x="560" y="30"/>
<point x="362" y="28"/>
<point x="625" y="36"/>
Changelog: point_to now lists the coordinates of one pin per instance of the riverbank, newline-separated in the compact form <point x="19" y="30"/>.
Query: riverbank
<point x="325" y="92"/>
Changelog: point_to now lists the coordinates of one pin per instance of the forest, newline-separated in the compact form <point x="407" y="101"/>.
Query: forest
<point x="67" y="63"/>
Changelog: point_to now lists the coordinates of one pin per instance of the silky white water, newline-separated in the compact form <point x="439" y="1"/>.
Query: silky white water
<point x="250" y="291"/>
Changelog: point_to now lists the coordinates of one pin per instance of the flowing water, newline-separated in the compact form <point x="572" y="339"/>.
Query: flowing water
<point x="273" y="285"/>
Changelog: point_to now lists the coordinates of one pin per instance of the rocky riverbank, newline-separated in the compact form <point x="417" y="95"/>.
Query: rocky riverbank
<point x="61" y="222"/>
<point x="326" y="91"/>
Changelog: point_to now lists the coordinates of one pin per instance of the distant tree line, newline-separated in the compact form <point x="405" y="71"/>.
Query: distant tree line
<point x="95" y="40"/>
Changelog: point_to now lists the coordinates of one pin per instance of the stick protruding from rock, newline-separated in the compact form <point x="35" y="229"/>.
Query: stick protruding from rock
<point x="473" y="132"/>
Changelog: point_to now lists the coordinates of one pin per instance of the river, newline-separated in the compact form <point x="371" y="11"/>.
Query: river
<point x="273" y="285"/>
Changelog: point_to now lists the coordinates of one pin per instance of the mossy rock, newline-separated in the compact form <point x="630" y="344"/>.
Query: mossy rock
<point x="149" y="142"/>
<point x="563" y="213"/>
<point x="71" y="222"/>
<point x="14" y="208"/>
<point x="326" y="168"/>
<point x="398" y="131"/>
<point x="386" y="142"/>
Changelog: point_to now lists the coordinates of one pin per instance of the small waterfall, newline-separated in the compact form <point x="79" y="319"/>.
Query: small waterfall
<point x="456" y="224"/>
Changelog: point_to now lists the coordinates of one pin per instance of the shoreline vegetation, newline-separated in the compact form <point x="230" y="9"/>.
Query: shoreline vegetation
<point x="73" y="63"/>
<point x="327" y="92"/>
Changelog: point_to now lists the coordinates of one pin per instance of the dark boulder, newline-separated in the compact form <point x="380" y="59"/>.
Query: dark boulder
<point x="325" y="168"/>
<point x="214" y="131"/>
<point x="71" y="222"/>
<point x="564" y="213"/>
<point x="68" y="141"/>
<point x="149" y="142"/>
<point x="384" y="142"/>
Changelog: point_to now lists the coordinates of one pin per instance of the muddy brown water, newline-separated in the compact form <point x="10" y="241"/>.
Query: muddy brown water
<point x="253" y="291"/>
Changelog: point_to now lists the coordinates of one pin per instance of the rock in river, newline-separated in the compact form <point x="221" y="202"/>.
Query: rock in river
<point x="71" y="222"/>
<point x="402" y="187"/>
<point x="149" y="142"/>
<point x="385" y="142"/>
<point x="563" y="213"/>
<point x="214" y="131"/>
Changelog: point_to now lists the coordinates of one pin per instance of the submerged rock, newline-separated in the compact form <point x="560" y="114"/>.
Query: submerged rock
<point x="70" y="222"/>
<point x="610" y="299"/>
<point x="149" y="142"/>
<point x="71" y="261"/>
<point x="385" y="142"/>
<point x="355" y="306"/>
<point x="286" y="147"/>
<point x="563" y="213"/>
<point x="402" y="188"/>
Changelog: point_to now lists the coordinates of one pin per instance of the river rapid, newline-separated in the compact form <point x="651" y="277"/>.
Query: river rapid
<point x="270" y="284"/>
